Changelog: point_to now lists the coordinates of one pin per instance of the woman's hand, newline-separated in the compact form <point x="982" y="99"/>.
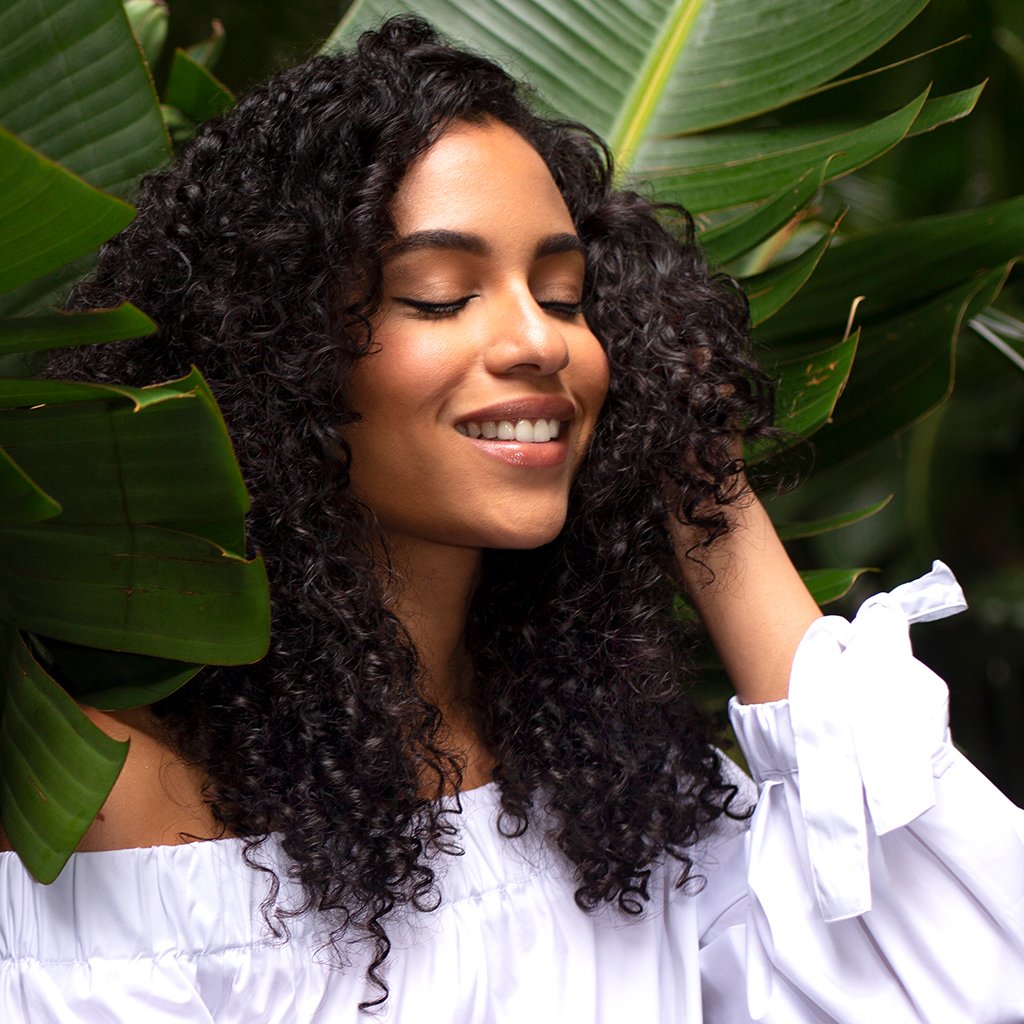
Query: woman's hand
<point x="750" y="596"/>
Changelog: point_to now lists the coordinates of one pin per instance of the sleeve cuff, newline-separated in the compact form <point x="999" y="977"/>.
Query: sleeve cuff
<point x="863" y="734"/>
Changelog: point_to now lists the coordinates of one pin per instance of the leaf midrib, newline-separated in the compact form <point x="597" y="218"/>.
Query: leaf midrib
<point x="639" y="104"/>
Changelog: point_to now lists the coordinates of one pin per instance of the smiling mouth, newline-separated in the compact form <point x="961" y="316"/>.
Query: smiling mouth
<point x="524" y="431"/>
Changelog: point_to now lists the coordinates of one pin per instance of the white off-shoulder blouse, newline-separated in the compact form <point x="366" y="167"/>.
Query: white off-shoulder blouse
<point x="880" y="879"/>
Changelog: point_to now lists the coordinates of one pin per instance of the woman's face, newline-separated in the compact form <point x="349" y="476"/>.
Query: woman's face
<point x="480" y="394"/>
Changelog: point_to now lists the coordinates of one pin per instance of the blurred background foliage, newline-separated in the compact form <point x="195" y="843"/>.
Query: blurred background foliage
<point x="957" y="476"/>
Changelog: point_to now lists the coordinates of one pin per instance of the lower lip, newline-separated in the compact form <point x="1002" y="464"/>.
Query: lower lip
<point x="528" y="454"/>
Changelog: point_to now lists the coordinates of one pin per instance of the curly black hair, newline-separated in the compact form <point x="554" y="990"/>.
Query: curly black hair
<point x="259" y="254"/>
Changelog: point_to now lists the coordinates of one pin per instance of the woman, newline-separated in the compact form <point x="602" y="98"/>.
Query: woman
<point x="488" y="409"/>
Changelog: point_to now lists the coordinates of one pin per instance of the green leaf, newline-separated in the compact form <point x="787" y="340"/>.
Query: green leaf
<point x="899" y="267"/>
<point x="770" y="291"/>
<point x="24" y="501"/>
<point x="827" y="585"/>
<point x="630" y="70"/>
<point x="816" y="527"/>
<point x="141" y="589"/>
<point x="113" y="680"/>
<point x="148" y="19"/>
<point x="729" y="239"/>
<point x="56" y="767"/>
<point x="944" y="109"/>
<point x="105" y="574"/>
<point x="751" y="57"/>
<point x="810" y="386"/>
<point x="73" y="85"/>
<point x="23" y="393"/>
<point x="724" y="169"/>
<point x="194" y="91"/>
<point x="111" y="462"/>
<point x="903" y="370"/>
<point x="48" y="216"/>
<point x="209" y="50"/>
<point x="94" y="326"/>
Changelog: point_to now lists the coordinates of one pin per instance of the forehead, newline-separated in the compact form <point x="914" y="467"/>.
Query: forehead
<point x="475" y="174"/>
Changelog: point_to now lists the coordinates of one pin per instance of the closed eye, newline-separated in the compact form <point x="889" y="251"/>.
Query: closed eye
<point x="568" y="310"/>
<point x="435" y="310"/>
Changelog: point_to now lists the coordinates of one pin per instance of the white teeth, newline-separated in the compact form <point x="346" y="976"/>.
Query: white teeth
<point x="523" y="431"/>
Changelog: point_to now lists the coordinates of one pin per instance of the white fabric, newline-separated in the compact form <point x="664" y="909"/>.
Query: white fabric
<point x="886" y="887"/>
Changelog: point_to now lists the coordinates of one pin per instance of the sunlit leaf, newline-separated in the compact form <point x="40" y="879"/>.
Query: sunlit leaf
<point x="899" y="267"/>
<point x="654" y="67"/>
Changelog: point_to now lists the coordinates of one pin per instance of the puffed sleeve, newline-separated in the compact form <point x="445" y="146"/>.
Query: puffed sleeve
<point x="884" y="873"/>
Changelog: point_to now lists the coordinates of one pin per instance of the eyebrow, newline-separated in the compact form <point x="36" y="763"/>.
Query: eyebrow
<point x="464" y="241"/>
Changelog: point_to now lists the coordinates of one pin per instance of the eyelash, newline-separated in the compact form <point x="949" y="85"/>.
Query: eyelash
<point x="440" y="310"/>
<point x="436" y="310"/>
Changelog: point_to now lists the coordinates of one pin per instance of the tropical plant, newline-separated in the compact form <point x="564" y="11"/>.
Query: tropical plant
<point x="702" y="102"/>
<point x="122" y="547"/>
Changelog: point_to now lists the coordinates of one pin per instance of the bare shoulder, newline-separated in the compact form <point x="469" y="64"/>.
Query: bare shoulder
<point x="158" y="797"/>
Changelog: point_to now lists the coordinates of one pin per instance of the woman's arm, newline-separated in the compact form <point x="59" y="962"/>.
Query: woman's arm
<point x="751" y="598"/>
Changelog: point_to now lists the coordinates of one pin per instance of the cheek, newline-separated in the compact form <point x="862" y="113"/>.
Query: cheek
<point x="400" y="380"/>
<point x="590" y="384"/>
<point x="595" y="377"/>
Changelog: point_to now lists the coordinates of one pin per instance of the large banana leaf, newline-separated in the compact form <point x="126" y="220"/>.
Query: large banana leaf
<point x="122" y="548"/>
<point x="634" y="69"/>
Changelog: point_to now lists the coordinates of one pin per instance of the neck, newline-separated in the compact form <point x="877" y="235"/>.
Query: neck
<point x="430" y="588"/>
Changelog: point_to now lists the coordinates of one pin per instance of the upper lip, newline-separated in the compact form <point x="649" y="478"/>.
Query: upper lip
<point x="536" y="407"/>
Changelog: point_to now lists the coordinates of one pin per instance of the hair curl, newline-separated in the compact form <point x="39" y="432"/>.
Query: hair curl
<point x="247" y="253"/>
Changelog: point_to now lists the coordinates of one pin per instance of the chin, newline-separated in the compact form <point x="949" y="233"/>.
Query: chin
<point x="531" y="531"/>
<point x="527" y="541"/>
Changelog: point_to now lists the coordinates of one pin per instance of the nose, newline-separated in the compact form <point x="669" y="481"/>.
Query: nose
<point x="526" y="339"/>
